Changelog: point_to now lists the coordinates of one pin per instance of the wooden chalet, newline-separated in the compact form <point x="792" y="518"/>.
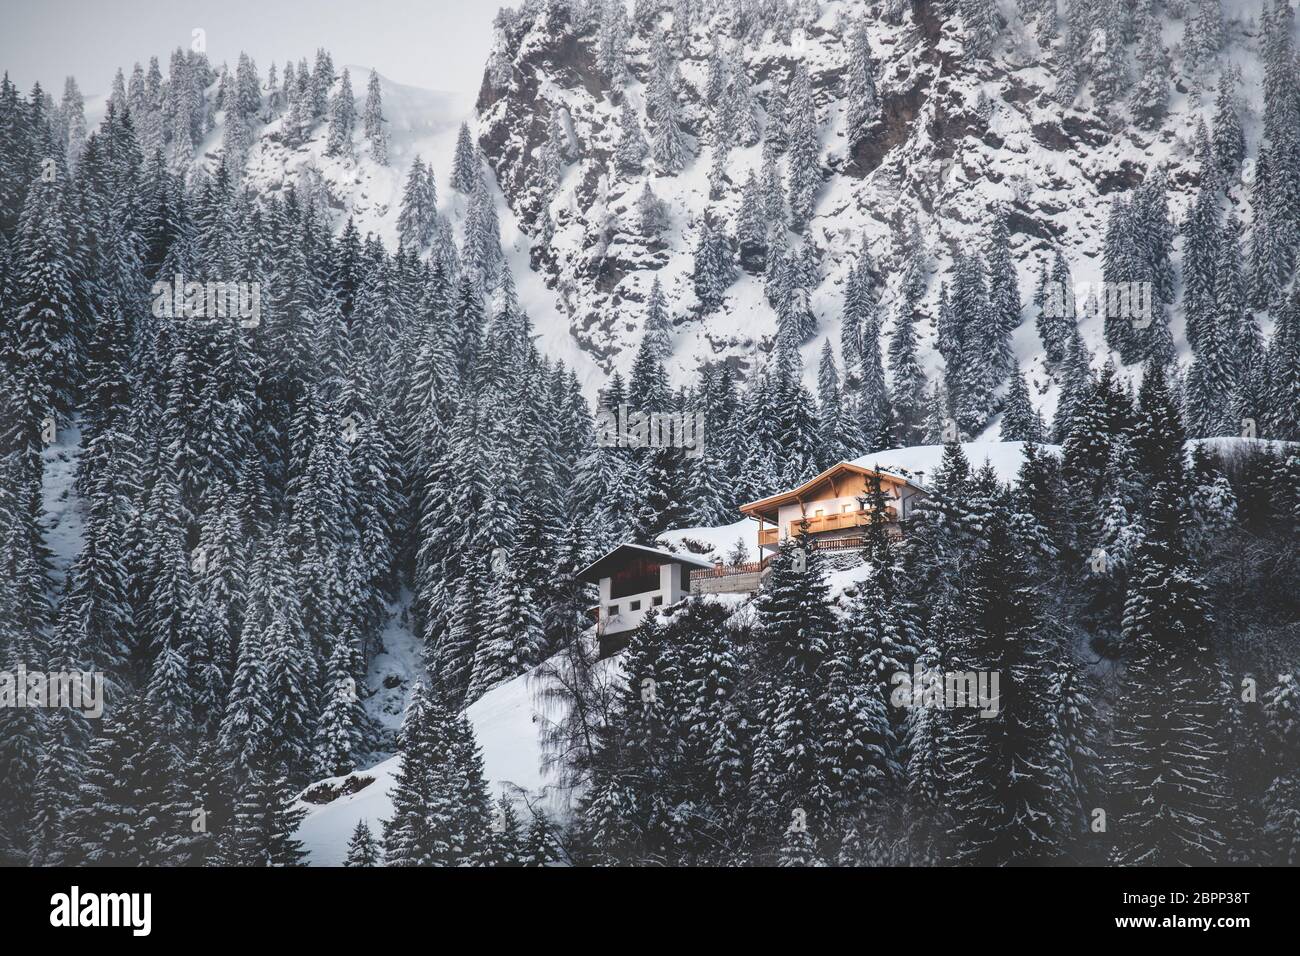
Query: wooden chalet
<point x="834" y="506"/>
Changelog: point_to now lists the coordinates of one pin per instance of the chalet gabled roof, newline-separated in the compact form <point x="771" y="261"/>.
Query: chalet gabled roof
<point x="765" y="506"/>
<point x="605" y="565"/>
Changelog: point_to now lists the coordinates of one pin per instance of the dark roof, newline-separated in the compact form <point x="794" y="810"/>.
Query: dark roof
<point x="604" y="566"/>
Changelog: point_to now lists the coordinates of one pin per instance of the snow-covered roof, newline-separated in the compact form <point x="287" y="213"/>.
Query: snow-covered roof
<point x="601" y="567"/>
<point x="796" y="494"/>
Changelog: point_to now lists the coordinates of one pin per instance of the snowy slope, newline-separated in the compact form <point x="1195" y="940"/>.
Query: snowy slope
<point x="506" y="723"/>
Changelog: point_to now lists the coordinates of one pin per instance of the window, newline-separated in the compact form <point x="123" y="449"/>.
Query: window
<point x="657" y="600"/>
<point x="634" y="606"/>
<point x="847" y="508"/>
<point x="636" y="578"/>
<point x="612" y="611"/>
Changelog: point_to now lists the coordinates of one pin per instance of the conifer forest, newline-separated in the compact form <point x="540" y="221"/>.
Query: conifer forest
<point x="753" y="433"/>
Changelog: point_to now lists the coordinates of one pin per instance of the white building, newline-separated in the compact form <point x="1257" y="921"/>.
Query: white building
<point x="634" y="578"/>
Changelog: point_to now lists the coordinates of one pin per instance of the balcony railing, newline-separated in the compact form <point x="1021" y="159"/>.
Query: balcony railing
<point x="727" y="570"/>
<point x="824" y="523"/>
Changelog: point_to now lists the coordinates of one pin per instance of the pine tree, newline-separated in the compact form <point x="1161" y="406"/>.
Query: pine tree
<point x="1282" y="819"/>
<point x="441" y="813"/>
<point x="1201" y="254"/>
<point x="262" y="827"/>
<point x="629" y="156"/>
<point x="127" y="811"/>
<point x="540" y="848"/>
<point x="714" y="269"/>
<point x="1056" y="318"/>
<point x="415" y="222"/>
<point x="1151" y="93"/>
<point x="1004" y="298"/>
<point x="907" y="385"/>
<point x="482" y="246"/>
<point x="363" y="848"/>
<point x="860" y="85"/>
<point x="1005" y="790"/>
<point x="611" y="44"/>
<point x="658" y="327"/>
<point x="650" y="212"/>
<point x="515" y="639"/>
<point x="1229" y="141"/>
<point x="507" y="839"/>
<point x="668" y="148"/>
<point x="980" y="23"/>
<point x="742" y="110"/>
<point x="1166" y="764"/>
<point x="73" y="114"/>
<point x="789" y="762"/>
<point x="1203" y="35"/>
<point x="805" y="175"/>
<point x="465" y="170"/>
<point x="372" y="121"/>
<point x="833" y="424"/>
<point x="1020" y="421"/>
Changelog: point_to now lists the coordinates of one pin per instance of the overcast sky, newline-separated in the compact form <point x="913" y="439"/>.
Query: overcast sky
<point x="437" y="44"/>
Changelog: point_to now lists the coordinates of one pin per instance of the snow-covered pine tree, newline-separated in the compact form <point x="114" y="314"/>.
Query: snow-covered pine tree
<point x="372" y="121"/>
<point x="860" y="84"/>
<point x="668" y="146"/>
<point x="363" y="848"/>
<point x="833" y="424"/>
<point x="629" y="156"/>
<point x="481" y="250"/>
<point x="1166" y="762"/>
<point x="792" y="792"/>
<point x="1151" y="93"/>
<point x="907" y="385"/>
<point x="1228" y="140"/>
<point x="714" y="268"/>
<point x="742" y="109"/>
<point x="1005" y="792"/>
<point x="415" y="222"/>
<point x="804" y="164"/>
<point x="979" y="20"/>
<point x="343" y="117"/>
<point x="465" y="170"/>
<point x="1020" y="421"/>
<point x="1004" y="297"/>
<point x="658" y="326"/>
<point x="651" y="215"/>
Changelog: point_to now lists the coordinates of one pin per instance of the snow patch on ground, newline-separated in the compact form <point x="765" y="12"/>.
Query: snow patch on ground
<point x="507" y="721"/>
<point x="63" y="511"/>
<point x="719" y="541"/>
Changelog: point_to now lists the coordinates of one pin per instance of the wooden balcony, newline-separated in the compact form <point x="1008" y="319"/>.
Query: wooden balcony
<point x="841" y="521"/>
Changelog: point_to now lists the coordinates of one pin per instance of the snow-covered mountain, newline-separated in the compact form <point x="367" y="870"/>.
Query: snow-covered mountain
<point x="958" y="137"/>
<point x="420" y="124"/>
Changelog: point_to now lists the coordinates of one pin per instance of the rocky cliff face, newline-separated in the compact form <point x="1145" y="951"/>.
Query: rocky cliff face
<point x="958" y="137"/>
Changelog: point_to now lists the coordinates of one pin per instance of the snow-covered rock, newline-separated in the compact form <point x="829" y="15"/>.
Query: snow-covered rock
<point x="958" y="138"/>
